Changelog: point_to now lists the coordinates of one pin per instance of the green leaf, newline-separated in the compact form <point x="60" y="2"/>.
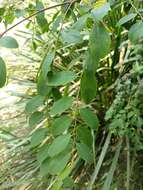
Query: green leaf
<point x="2" y="73"/>
<point x="88" y="89"/>
<point x="59" y="144"/>
<point x="84" y="135"/>
<point x="90" y="118"/>
<point x="85" y="152"/>
<point x="68" y="182"/>
<point x="81" y="22"/>
<point x="40" y="18"/>
<point x="43" y="153"/>
<point x="100" y="12"/>
<point x="136" y="32"/>
<point x="55" y="165"/>
<point x="71" y="37"/>
<point x="61" y="105"/>
<point x="42" y="88"/>
<point x="35" y="118"/>
<point x="126" y="19"/>
<point x="60" y="125"/>
<point x="8" y="42"/>
<point x="34" y="104"/>
<point x="46" y="66"/>
<point x="97" y="47"/>
<point x="37" y="137"/>
<point x="61" y="78"/>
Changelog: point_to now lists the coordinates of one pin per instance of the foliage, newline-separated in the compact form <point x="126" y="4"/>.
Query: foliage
<point x="88" y="102"/>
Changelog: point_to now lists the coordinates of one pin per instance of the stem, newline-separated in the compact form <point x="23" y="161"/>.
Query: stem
<point x="93" y="147"/>
<point x="100" y="161"/>
<point x="34" y="14"/>
<point x="128" y="163"/>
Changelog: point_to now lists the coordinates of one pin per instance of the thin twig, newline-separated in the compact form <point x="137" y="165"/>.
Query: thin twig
<point x="34" y="14"/>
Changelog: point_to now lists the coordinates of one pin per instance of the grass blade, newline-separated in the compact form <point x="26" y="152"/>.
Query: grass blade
<point x="109" y="178"/>
<point x="100" y="161"/>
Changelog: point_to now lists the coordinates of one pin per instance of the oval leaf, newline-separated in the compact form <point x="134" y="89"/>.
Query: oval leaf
<point x="126" y="19"/>
<point x="59" y="144"/>
<point x="61" y="105"/>
<point x="35" y="118"/>
<point x="34" y="104"/>
<point x="90" y="118"/>
<point x="2" y="73"/>
<point x="8" y="42"/>
<point x="85" y="152"/>
<point x="136" y="32"/>
<point x="60" y="125"/>
<point x="99" y="48"/>
<point x="88" y="89"/>
<point x="37" y="137"/>
<point x="55" y="165"/>
<point x="61" y="78"/>
<point x="84" y="135"/>
<point x="100" y="12"/>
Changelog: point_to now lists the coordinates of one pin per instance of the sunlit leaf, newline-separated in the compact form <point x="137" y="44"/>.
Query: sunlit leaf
<point x="8" y="42"/>
<point x="100" y="12"/>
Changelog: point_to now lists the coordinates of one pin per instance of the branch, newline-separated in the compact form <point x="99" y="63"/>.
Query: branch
<point x="34" y="14"/>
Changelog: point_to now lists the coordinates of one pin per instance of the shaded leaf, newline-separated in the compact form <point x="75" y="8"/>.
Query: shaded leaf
<point x="2" y="73"/>
<point x="37" y="137"/>
<point x="34" y="104"/>
<point x="61" y="78"/>
<point x="99" y="48"/>
<point x="61" y="105"/>
<point x="59" y="144"/>
<point x="35" y="118"/>
<point x="46" y="66"/>
<point x="8" y="42"/>
<point x="42" y="88"/>
<point x="81" y="22"/>
<point x="126" y="19"/>
<point x="90" y="118"/>
<point x="136" y="32"/>
<point x="84" y="135"/>
<point x="43" y="153"/>
<point x="71" y="37"/>
<point x="55" y="165"/>
<point x="85" y="152"/>
<point x="60" y="125"/>
<point x="88" y="89"/>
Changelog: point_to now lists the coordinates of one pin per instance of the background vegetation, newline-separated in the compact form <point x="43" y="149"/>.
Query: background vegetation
<point x="82" y="70"/>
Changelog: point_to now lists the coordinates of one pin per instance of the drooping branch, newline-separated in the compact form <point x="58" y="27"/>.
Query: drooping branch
<point x="34" y="14"/>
